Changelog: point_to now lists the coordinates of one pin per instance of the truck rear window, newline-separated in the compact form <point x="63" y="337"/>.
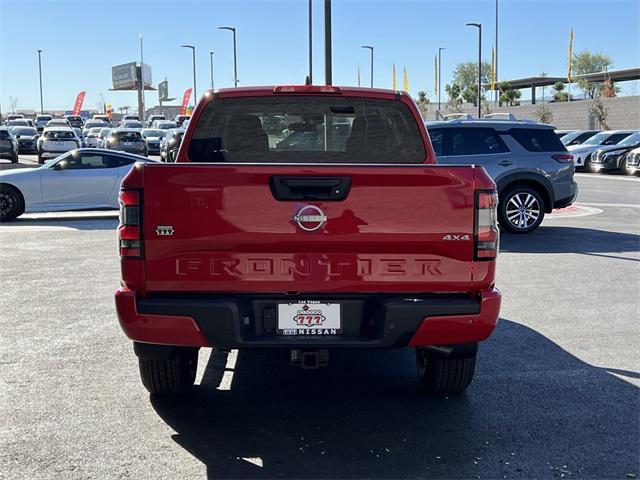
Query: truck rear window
<point x="306" y="129"/>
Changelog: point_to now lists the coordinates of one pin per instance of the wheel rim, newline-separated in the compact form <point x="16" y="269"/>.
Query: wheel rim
<point x="523" y="210"/>
<point x="8" y="204"/>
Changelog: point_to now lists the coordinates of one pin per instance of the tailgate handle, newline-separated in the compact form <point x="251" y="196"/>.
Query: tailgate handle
<point x="328" y="189"/>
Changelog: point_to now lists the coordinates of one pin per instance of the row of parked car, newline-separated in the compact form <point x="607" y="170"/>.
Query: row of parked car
<point x="603" y="151"/>
<point x="49" y="137"/>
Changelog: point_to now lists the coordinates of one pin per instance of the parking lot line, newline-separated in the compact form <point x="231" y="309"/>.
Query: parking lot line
<point x="606" y="177"/>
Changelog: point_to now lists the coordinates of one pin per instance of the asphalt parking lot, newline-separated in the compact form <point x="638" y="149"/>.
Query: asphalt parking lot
<point x="555" y="393"/>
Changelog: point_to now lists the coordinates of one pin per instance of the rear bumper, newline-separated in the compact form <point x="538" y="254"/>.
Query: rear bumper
<point x="369" y="321"/>
<point x="567" y="200"/>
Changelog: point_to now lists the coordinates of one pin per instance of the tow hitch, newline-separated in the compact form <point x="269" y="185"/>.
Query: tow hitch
<point x="310" y="359"/>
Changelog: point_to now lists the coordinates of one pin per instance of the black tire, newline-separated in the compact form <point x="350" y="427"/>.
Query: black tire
<point x="588" y="167"/>
<point x="11" y="203"/>
<point x="174" y="376"/>
<point x="40" y="159"/>
<point x="521" y="209"/>
<point x="444" y="374"/>
<point x="14" y="159"/>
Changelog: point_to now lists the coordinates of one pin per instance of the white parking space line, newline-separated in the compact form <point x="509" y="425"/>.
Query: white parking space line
<point x="203" y="360"/>
<point x="623" y="205"/>
<point x="595" y="176"/>
<point x="229" y="370"/>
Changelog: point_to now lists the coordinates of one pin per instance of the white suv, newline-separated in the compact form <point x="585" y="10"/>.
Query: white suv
<point x="56" y="140"/>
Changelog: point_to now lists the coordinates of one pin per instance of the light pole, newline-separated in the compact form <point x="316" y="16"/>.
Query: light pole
<point x="439" y="72"/>
<point x="141" y="115"/>
<point x="370" y="48"/>
<point x="40" y="74"/>
<point x="310" y="43"/>
<point x="211" y="54"/>
<point x="495" y="68"/>
<point x="193" y="51"/>
<point x="479" y="27"/>
<point x="328" y="62"/>
<point x="235" y="56"/>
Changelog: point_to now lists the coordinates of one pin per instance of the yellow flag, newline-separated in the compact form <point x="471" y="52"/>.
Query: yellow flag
<point x="570" y="56"/>
<point x="405" y="81"/>
<point x="493" y="68"/>
<point x="395" y="86"/>
<point x="358" y="75"/>
<point x="436" y="70"/>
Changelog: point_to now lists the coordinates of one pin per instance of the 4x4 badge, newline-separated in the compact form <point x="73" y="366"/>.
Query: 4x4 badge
<point x="164" y="230"/>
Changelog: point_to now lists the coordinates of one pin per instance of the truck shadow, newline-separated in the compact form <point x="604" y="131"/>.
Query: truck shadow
<point x="98" y="220"/>
<point x="551" y="239"/>
<point x="534" y="410"/>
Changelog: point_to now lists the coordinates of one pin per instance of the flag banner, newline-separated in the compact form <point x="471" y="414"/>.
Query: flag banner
<point x="79" y="101"/>
<point x="395" y="84"/>
<point x="570" y="56"/>
<point x="185" y="100"/>
<point x="405" y="81"/>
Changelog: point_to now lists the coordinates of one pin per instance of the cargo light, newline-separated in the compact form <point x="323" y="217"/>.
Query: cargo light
<point x="307" y="89"/>
<point x="487" y="236"/>
<point x="129" y="230"/>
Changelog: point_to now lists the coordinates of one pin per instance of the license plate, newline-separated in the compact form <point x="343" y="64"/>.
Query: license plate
<point x="127" y="144"/>
<point x="309" y="318"/>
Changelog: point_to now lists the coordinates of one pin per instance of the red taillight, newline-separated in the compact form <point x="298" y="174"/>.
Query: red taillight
<point x="129" y="230"/>
<point x="307" y="89"/>
<point x="565" y="158"/>
<point x="487" y="235"/>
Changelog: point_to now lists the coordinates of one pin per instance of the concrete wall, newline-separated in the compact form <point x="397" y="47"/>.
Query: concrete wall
<point x="624" y="113"/>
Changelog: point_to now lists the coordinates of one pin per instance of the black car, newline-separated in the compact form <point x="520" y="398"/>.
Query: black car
<point x="170" y="144"/>
<point x="27" y="138"/>
<point x="613" y="158"/>
<point x="8" y="145"/>
<point x="127" y="140"/>
<point x="153" y="136"/>
<point x="75" y="121"/>
<point x="41" y="121"/>
<point x="180" y="119"/>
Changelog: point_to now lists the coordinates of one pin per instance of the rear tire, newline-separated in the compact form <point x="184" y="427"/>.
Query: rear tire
<point x="14" y="159"/>
<point x="521" y="209"/>
<point x="444" y="374"/>
<point x="173" y="376"/>
<point x="40" y="159"/>
<point x="11" y="203"/>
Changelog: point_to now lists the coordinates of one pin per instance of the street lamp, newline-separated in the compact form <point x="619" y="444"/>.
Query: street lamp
<point x="439" y="72"/>
<point x="141" y="114"/>
<point x="40" y="73"/>
<point x="479" y="27"/>
<point x="370" y="48"/>
<point x="193" y="51"/>
<point x="211" y="54"/>
<point x="235" y="58"/>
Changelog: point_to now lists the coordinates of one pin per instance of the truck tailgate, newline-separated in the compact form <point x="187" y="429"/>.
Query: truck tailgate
<point x="220" y="228"/>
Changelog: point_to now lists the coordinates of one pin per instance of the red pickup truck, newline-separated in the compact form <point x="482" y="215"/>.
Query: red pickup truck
<point x="307" y="218"/>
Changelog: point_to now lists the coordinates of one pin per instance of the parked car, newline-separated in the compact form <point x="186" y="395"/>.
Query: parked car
<point x="80" y="135"/>
<point x="104" y="118"/>
<point x="153" y="118"/>
<point x="75" y="121"/>
<point x="12" y="116"/>
<point x="104" y="134"/>
<point x="582" y="153"/>
<point x="530" y="165"/>
<point x="89" y="124"/>
<point x="296" y="250"/>
<point x="131" y="124"/>
<point x="153" y="137"/>
<point x="562" y="133"/>
<point x="170" y="144"/>
<point x="77" y="180"/>
<point x="632" y="162"/>
<point x="91" y="137"/>
<point x="577" y="137"/>
<point x="127" y="140"/>
<point x="8" y="145"/>
<point x="56" y="140"/>
<point x="180" y="119"/>
<point x="58" y="122"/>
<point x="164" y="124"/>
<point x="41" y="121"/>
<point x="18" y="122"/>
<point x="129" y="117"/>
<point x="613" y="158"/>
<point x="27" y="138"/>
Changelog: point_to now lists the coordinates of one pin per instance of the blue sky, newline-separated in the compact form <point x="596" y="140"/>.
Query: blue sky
<point x="81" y="40"/>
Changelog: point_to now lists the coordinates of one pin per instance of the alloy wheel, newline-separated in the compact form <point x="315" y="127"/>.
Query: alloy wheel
<point x="8" y="204"/>
<point x="523" y="210"/>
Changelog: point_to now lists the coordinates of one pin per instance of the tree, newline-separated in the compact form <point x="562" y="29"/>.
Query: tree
<point x="609" y="89"/>
<point x="586" y="62"/>
<point x="544" y="114"/>
<point x="508" y="95"/>
<point x="423" y="102"/>
<point x="559" y="95"/>
<point x="600" y="112"/>
<point x="454" y="92"/>
<point x="466" y="76"/>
